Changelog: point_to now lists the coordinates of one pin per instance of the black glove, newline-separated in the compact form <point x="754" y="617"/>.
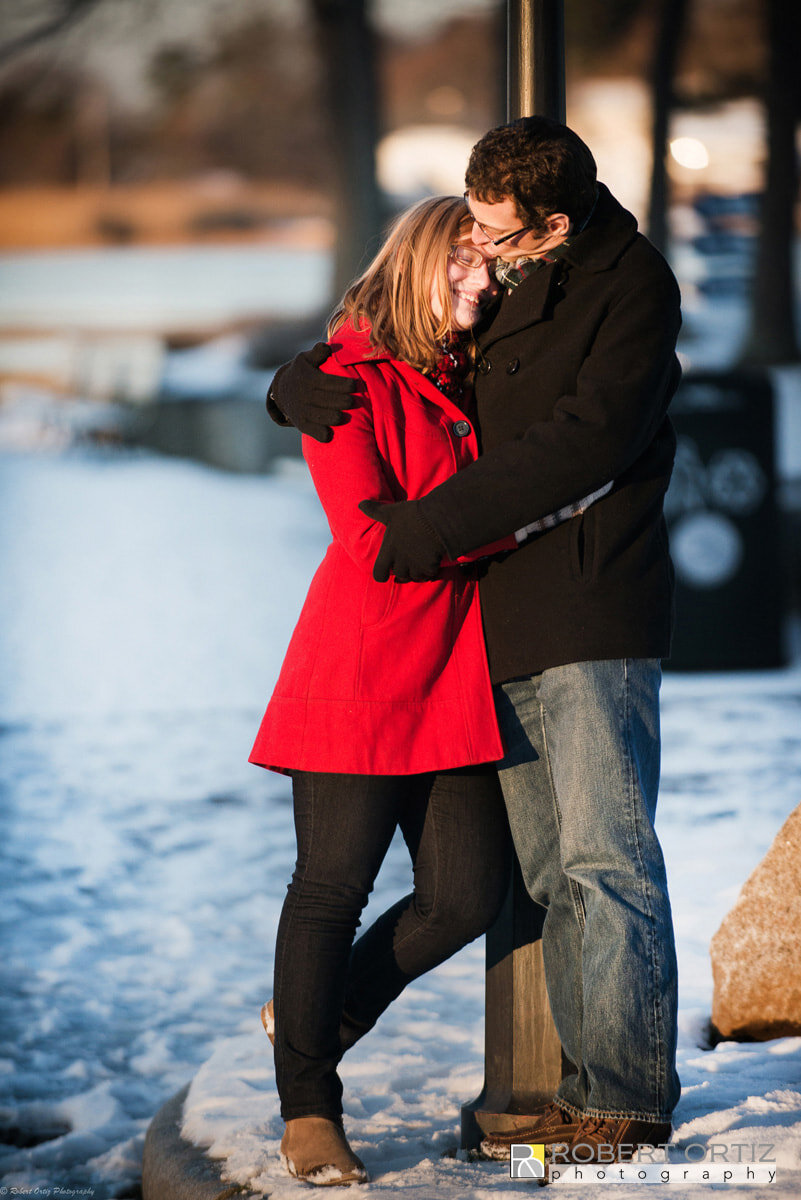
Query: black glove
<point x="311" y="400"/>
<point x="412" y="550"/>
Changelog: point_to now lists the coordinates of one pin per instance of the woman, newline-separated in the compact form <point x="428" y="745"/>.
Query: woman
<point x="383" y="713"/>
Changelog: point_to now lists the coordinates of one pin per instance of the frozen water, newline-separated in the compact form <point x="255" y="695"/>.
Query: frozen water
<point x="153" y="287"/>
<point x="145" y="606"/>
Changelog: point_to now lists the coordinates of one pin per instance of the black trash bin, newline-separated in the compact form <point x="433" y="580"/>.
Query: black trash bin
<point x="724" y="532"/>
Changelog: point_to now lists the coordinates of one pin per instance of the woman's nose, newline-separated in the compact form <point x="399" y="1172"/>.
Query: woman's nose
<point x="482" y="275"/>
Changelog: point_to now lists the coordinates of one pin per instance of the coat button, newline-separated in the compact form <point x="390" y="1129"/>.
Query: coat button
<point x="461" y="428"/>
<point x="484" y="366"/>
<point x="513" y="366"/>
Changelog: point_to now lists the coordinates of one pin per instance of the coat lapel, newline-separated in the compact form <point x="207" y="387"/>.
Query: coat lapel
<point x="423" y="391"/>
<point x="524" y="307"/>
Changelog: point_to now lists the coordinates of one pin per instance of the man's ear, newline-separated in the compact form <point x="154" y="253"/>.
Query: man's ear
<point x="558" y="225"/>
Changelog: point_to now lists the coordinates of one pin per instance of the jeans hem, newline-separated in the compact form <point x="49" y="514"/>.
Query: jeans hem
<point x="614" y="1114"/>
<point x="293" y="1114"/>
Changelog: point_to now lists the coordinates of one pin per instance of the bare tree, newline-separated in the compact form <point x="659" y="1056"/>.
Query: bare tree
<point x="69" y="13"/>
<point x="347" y="46"/>
<point x="668" y="40"/>
<point x="771" y="334"/>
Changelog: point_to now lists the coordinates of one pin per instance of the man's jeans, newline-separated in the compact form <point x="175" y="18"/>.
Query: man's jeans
<point x="580" y="781"/>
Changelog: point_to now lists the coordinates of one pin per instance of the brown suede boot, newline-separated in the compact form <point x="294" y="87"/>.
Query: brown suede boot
<point x="315" y="1149"/>
<point x="614" y="1139"/>
<point x="551" y="1125"/>
<point x="268" y="1020"/>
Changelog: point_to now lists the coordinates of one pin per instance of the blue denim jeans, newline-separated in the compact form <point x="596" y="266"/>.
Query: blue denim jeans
<point x="580" y="780"/>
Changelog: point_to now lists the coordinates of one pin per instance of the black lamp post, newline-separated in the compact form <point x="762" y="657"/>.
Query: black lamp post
<point x="523" y="1060"/>
<point x="535" y="59"/>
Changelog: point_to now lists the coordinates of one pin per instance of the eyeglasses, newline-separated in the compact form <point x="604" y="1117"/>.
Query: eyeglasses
<point x="488" y="231"/>
<point x="467" y="256"/>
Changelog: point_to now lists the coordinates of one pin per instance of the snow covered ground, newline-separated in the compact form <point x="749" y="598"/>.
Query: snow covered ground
<point x="144" y="608"/>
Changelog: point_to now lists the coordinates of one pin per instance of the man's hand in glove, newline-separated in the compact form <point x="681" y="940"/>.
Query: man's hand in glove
<point x="308" y="398"/>
<point x="411" y="550"/>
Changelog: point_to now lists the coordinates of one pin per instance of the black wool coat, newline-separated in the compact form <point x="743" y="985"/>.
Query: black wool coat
<point x="576" y="372"/>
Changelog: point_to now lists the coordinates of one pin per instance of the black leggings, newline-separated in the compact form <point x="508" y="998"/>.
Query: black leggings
<point x="328" y="990"/>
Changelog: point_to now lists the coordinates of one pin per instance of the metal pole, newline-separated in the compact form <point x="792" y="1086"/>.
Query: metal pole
<point x="523" y="1059"/>
<point x="535" y="59"/>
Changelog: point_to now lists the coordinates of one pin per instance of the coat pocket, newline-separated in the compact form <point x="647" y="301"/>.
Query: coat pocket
<point x="378" y="602"/>
<point x="582" y="546"/>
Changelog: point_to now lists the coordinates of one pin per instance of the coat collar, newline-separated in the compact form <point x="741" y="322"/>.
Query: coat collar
<point x="610" y="232"/>
<point x="351" y="346"/>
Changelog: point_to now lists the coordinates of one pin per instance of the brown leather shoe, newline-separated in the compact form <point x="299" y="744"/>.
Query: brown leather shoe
<point x="612" y="1139"/>
<point x="268" y="1020"/>
<point x="316" y="1150"/>
<point x="553" y="1126"/>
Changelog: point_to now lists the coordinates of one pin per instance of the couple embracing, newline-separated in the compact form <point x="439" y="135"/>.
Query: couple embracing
<point x="480" y="649"/>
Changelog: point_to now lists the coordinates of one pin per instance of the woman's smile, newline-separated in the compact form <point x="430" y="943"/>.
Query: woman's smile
<point x="471" y="286"/>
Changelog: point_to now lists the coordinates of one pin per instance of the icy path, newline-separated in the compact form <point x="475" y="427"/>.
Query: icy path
<point x="144" y="608"/>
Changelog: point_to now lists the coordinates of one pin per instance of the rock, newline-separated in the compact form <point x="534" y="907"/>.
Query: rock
<point x="173" y="1169"/>
<point x="756" y="953"/>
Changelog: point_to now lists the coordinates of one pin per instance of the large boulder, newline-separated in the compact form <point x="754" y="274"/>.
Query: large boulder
<point x="756" y="953"/>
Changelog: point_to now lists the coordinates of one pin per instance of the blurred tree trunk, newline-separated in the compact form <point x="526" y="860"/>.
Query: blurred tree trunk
<point x="669" y="33"/>
<point x="93" y="136"/>
<point x="771" y="335"/>
<point x="347" y="47"/>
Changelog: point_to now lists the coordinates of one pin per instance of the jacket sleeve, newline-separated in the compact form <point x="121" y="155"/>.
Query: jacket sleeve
<point x="593" y="436"/>
<point x="349" y="469"/>
<point x="345" y="471"/>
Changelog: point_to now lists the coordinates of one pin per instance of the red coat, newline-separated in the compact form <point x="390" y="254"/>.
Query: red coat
<point x="383" y="678"/>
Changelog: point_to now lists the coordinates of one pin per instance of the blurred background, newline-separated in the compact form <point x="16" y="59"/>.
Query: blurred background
<point x="185" y="188"/>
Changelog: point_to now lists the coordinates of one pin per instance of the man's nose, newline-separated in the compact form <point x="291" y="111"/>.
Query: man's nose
<point x="478" y="236"/>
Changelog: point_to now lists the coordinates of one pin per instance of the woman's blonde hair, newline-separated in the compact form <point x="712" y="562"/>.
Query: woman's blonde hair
<point x="393" y="296"/>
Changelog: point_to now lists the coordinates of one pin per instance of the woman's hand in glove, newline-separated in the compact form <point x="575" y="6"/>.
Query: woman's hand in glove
<point x="411" y="550"/>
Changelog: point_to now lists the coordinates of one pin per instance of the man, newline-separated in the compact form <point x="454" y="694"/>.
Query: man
<point x="575" y="373"/>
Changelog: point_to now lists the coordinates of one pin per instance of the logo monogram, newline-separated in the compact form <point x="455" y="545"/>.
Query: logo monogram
<point x="527" y="1161"/>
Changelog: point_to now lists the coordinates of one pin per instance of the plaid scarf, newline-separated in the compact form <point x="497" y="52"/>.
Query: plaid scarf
<point x="453" y="368"/>
<point x="562" y="514"/>
<point x="511" y="274"/>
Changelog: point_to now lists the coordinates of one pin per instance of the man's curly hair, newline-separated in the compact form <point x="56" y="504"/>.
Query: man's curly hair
<point x="544" y="166"/>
